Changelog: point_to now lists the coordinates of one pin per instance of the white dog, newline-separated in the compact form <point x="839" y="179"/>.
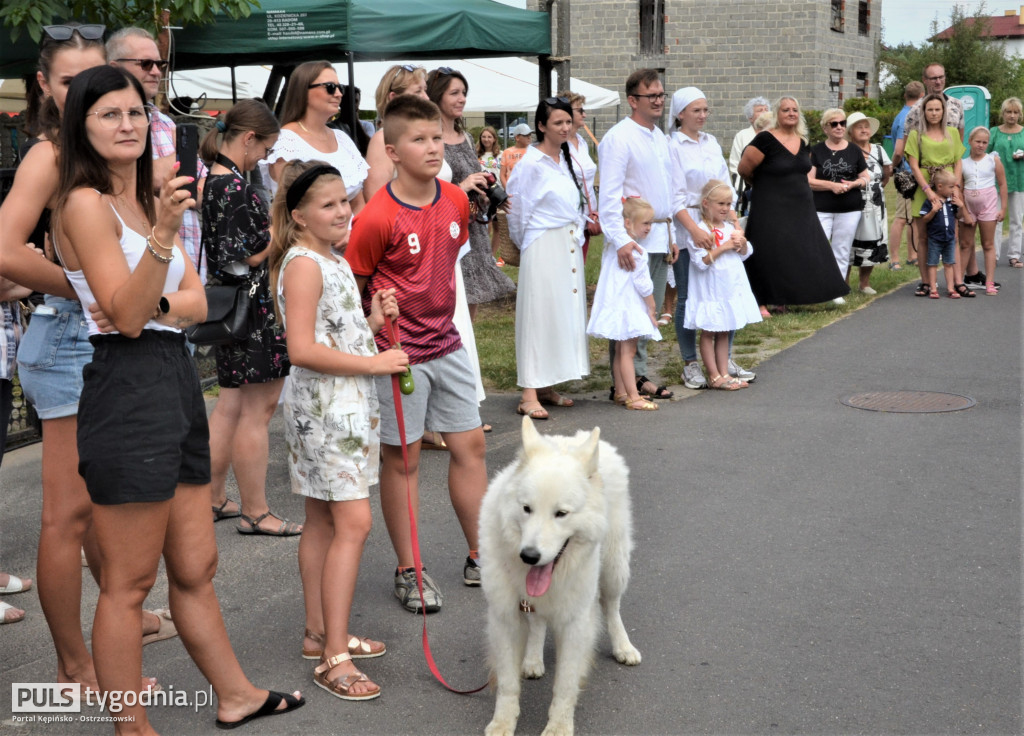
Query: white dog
<point x="555" y="539"/>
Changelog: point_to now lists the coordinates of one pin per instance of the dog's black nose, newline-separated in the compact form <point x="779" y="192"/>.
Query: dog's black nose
<point x="529" y="555"/>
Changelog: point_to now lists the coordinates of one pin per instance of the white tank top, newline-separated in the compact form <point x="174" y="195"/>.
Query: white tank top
<point x="979" y="174"/>
<point x="134" y="247"/>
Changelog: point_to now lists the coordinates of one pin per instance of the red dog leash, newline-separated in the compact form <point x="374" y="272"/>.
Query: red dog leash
<point x="392" y="335"/>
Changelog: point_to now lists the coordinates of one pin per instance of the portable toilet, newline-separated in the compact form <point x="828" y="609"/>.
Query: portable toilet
<point x="976" y="102"/>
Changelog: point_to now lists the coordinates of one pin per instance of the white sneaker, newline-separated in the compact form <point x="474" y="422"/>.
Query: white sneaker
<point x="737" y="371"/>
<point x="868" y="290"/>
<point x="693" y="376"/>
<point x="839" y="300"/>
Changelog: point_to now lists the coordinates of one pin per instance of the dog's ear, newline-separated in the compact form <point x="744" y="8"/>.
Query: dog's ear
<point x="531" y="437"/>
<point x="588" y="452"/>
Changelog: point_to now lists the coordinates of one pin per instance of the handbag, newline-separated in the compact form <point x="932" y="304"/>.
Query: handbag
<point x="228" y="310"/>
<point x="905" y="183"/>
<point x="507" y="250"/>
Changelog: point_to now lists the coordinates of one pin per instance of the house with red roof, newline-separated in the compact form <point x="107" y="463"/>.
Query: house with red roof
<point x="1008" y="28"/>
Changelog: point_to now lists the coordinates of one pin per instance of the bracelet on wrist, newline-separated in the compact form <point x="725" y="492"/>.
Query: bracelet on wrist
<point x="152" y="252"/>
<point x="156" y="241"/>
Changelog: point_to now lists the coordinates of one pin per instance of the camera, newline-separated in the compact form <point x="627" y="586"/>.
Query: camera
<point x="488" y="206"/>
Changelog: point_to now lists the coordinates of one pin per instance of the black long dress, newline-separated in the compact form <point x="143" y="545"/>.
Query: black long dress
<point x="792" y="262"/>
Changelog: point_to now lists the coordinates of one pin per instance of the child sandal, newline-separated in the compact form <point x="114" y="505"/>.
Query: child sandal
<point x="990" y="289"/>
<point x="342" y="686"/>
<point x="358" y="646"/>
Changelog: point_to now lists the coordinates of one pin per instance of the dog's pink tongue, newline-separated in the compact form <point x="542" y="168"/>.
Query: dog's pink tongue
<point x="538" y="580"/>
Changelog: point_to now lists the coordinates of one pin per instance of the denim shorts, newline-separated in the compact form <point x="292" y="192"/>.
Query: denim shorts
<point x="946" y="250"/>
<point x="142" y="425"/>
<point x="51" y="356"/>
<point x="444" y="399"/>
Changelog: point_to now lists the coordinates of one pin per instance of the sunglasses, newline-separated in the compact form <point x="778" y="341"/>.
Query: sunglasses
<point x="446" y="70"/>
<point x="90" y="32"/>
<point x="837" y="124"/>
<point x="147" y="64"/>
<point x="556" y="100"/>
<point x="579" y="109"/>
<point x="329" y="87"/>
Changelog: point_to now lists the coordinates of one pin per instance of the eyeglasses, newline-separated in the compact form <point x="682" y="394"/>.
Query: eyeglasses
<point x="837" y="123"/>
<point x="147" y="64"/>
<point x="657" y="97"/>
<point x="935" y="79"/>
<point x="110" y="117"/>
<point x="90" y="32"/>
<point x="269" y="149"/>
<point x="330" y="88"/>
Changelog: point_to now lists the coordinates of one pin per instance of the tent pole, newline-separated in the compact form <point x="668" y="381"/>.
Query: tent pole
<point x="234" y="88"/>
<point x="353" y="113"/>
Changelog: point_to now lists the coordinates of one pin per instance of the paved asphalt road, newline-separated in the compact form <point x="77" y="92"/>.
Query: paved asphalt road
<point x="801" y="567"/>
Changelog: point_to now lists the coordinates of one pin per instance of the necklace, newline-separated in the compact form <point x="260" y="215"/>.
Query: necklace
<point x="303" y="126"/>
<point x="127" y="206"/>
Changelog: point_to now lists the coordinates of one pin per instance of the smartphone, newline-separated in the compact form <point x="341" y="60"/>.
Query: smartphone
<point x="186" y="145"/>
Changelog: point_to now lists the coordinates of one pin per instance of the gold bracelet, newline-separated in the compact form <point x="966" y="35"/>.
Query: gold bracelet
<point x="162" y="259"/>
<point x="152" y="234"/>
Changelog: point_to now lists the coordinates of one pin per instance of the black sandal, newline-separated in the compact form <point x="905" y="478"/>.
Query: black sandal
<point x="964" y="291"/>
<point x="660" y="392"/>
<point x="923" y="290"/>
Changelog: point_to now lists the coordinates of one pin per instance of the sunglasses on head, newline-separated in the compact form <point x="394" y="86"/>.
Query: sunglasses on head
<point x="147" y="64"/>
<point x="446" y="70"/>
<point x="90" y="32"/>
<point x="556" y="100"/>
<point x="329" y="87"/>
<point x="837" y="123"/>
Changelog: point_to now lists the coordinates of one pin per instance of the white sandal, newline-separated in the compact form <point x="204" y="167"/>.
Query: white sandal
<point x="15" y="585"/>
<point x="4" y="608"/>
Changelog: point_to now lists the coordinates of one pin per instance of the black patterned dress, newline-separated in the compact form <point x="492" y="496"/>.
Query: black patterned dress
<point x="485" y="282"/>
<point x="236" y="225"/>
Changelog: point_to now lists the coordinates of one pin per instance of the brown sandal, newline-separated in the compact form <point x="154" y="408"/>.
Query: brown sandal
<point x="552" y="398"/>
<point x="359" y="647"/>
<point x="342" y="686"/>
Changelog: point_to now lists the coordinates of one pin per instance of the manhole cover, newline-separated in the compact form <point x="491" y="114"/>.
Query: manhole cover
<point x="910" y="402"/>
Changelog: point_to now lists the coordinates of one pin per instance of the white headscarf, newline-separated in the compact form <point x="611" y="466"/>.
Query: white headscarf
<point x="680" y="100"/>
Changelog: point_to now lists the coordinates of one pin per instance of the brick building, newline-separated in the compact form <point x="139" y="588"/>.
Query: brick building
<point x="820" y="51"/>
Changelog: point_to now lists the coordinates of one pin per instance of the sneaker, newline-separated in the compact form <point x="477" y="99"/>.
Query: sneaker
<point x="737" y="371"/>
<point x="693" y="376"/>
<point x="471" y="572"/>
<point x="839" y="300"/>
<point x="407" y="592"/>
<point x="977" y="279"/>
<point x="868" y="290"/>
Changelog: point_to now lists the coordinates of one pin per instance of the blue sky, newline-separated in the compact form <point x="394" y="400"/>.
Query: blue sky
<point x="909" y="21"/>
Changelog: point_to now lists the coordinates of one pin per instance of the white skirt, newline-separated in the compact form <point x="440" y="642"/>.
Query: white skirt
<point x="551" y="311"/>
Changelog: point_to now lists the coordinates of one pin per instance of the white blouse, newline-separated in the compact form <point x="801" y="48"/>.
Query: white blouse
<point x="980" y="174"/>
<point x="345" y="158"/>
<point x="543" y="197"/>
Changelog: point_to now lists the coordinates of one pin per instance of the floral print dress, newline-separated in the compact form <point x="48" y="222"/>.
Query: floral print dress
<point x="236" y="225"/>
<point x="332" y="423"/>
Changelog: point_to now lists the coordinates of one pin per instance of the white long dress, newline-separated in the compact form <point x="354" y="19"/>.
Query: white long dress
<point x="546" y="221"/>
<point x="619" y="311"/>
<point x="719" y="298"/>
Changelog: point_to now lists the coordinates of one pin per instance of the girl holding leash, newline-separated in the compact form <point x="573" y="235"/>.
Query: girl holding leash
<point x="624" y="308"/>
<point x="719" y="299"/>
<point x="332" y="420"/>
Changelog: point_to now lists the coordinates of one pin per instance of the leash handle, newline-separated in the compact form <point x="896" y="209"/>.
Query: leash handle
<point x="392" y="335"/>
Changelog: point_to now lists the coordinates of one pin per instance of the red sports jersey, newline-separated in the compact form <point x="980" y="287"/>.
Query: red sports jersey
<point x="413" y="250"/>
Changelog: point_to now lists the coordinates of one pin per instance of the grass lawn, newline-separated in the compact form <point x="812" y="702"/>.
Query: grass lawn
<point x="495" y="329"/>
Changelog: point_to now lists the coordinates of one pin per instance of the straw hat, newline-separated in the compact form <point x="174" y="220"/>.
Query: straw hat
<point x="858" y="117"/>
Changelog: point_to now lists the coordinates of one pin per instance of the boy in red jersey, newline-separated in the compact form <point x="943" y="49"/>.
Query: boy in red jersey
<point x="408" y="238"/>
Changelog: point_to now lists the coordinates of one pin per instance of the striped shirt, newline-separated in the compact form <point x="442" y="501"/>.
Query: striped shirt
<point x="413" y="250"/>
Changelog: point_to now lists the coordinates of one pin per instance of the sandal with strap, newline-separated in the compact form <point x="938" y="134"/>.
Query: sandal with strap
<point x="621" y="399"/>
<point x="923" y="290"/>
<point x="219" y="512"/>
<point x="287" y="528"/>
<point x="552" y="398"/>
<point x="727" y="383"/>
<point x="532" y="409"/>
<point x="359" y="647"/>
<point x="342" y="686"/>
<point x="990" y="289"/>
<point x="659" y="392"/>
<point x="1016" y="263"/>
<point x="964" y="291"/>
<point x="269" y="708"/>
<point x="640" y="404"/>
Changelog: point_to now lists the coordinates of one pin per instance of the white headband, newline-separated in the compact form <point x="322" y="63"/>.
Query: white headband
<point x="681" y="99"/>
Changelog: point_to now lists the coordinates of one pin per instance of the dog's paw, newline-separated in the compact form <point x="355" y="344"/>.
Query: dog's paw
<point x="500" y="728"/>
<point x="560" y="728"/>
<point x="627" y="654"/>
<point x="533" y="669"/>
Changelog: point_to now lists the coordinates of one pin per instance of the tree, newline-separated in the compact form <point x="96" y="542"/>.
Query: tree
<point x="967" y="55"/>
<point x="32" y="15"/>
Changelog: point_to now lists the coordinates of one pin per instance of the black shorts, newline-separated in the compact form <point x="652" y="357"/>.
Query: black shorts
<point x="142" y="425"/>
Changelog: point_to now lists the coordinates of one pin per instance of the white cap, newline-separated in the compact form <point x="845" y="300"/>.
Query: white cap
<point x="522" y="129"/>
